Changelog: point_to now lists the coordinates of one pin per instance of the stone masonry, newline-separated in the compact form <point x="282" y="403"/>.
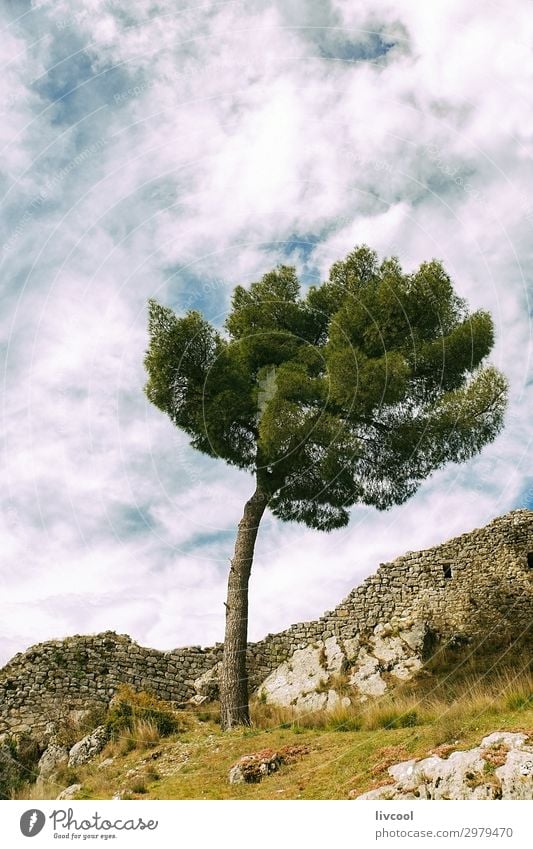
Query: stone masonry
<point x="479" y="584"/>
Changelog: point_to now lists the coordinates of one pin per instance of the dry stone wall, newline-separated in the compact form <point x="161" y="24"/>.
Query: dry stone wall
<point x="478" y="584"/>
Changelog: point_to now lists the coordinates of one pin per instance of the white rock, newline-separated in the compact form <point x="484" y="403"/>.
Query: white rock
<point x="250" y="769"/>
<point x="311" y="702"/>
<point x="404" y="773"/>
<point x="206" y="685"/>
<point x="365" y="676"/>
<point x="334" y="655"/>
<point x="351" y="647"/>
<point x="87" y="748"/>
<point x="51" y="758"/>
<point x="516" y="775"/>
<point x="506" y="738"/>
<point x="295" y="681"/>
<point x="388" y="650"/>
<point x="464" y="775"/>
<point x="387" y="792"/>
<point x="405" y="669"/>
<point x="414" y="636"/>
<point x="458" y="774"/>
<point x="69" y="792"/>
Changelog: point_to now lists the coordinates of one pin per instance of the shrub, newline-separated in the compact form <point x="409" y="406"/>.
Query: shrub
<point x="132" y="711"/>
<point x="18" y="763"/>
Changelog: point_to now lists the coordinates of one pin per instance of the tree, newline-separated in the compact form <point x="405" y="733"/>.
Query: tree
<point x="351" y="394"/>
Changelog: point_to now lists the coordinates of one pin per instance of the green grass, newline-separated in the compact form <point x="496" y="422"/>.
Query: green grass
<point x="335" y="765"/>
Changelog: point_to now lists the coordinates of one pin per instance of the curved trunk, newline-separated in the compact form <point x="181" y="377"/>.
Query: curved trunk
<point x="234" y="678"/>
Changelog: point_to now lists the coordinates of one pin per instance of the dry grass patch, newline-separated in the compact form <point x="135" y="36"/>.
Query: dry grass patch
<point x="496" y="755"/>
<point x="389" y="755"/>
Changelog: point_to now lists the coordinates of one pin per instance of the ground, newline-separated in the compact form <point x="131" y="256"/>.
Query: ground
<point x="193" y="763"/>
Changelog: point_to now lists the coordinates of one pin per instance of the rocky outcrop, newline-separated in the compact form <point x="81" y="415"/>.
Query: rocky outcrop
<point x="206" y="686"/>
<point x="250" y="769"/>
<point x="69" y="792"/>
<point x="501" y="767"/>
<point x="57" y="754"/>
<point x="91" y="745"/>
<point x="53" y="756"/>
<point x="331" y="673"/>
<point x="304" y="682"/>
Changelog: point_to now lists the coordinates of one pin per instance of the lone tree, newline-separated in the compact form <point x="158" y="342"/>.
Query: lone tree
<point x="353" y="393"/>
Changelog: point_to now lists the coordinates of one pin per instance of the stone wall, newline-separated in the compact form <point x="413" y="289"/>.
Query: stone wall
<point x="489" y="593"/>
<point x="478" y="584"/>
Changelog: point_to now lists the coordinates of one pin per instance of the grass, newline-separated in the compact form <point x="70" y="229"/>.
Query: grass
<point x="155" y="752"/>
<point x="349" y="748"/>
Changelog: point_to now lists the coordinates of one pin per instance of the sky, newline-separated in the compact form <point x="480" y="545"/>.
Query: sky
<point x="152" y="149"/>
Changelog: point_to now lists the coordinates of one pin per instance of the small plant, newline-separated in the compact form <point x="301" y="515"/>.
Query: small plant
<point x="146" y="733"/>
<point x="519" y="701"/>
<point x="126" y="744"/>
<point x="152" y="773"/>
<point x="341" y="684"/>
<point x="208" y="713"/>
<point x="139" y="787"/>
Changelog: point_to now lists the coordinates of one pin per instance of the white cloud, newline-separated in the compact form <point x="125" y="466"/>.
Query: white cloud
<point x="185" y="149"/>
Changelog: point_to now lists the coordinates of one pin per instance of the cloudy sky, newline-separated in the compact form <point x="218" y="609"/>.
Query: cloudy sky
<point x="150" y="149"/>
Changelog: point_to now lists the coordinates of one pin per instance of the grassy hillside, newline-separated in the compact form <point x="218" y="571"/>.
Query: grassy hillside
<point x="158" y="754"/>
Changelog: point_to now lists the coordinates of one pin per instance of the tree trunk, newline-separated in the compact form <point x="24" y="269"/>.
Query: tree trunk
<point x="234" y="678"/>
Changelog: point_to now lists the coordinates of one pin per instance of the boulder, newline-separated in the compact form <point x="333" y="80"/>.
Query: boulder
<point x="300" y="681"/>
<point x="206" y="686"/>
<point x="472" y="774"/>
<point x="251" y="769"/>
<point x="516" y="775"/>
<point x="366" y="678"/>
<point x="90" y="746"/>
<point x="504" y="738"/>
<point x="69" y="792"/>
<point x="51" y="758"/>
